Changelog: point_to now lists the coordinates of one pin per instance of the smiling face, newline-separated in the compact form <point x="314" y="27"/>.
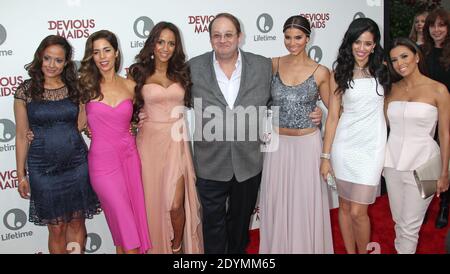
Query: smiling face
<point x="295" y="40"/>
<point x="362" y="48"/>
<point x="224" y="38"/>
<point x="165" y="46"/>
<point x="438" y="31"/>
<point x="104" y="55"/>
<point x="404" y="61"/>
<point x="53" y="61"/>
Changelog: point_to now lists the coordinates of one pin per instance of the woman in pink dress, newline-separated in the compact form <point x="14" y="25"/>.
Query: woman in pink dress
<point x="162" y="93"/>
<point x="114" y="164"/>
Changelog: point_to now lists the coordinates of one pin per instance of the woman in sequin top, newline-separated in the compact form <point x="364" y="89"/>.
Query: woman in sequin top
<point x="294" y="200"/>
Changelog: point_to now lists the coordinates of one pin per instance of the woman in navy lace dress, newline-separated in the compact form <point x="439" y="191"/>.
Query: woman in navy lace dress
<point x="57" y="184"/>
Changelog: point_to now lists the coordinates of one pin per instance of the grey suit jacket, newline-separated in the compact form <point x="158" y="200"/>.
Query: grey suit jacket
<point x="224" y="140"/>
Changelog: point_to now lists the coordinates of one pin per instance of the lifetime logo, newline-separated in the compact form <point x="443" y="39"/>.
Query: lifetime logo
<point x="7" y="131"/>
<point x="264" y="23"/>
<point x="2" y="34"/>
<point x="359" y="15"/>
<point x="93" y="242"/>
<point x="315" y="53"/>
<point x="14" y="220"/>
<point x="2" y="40"/>
<point x="143" y="26"/>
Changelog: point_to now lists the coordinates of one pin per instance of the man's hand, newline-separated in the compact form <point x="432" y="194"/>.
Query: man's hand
<point x="316" y="116"/>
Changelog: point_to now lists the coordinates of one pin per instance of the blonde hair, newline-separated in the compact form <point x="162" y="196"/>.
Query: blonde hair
<point x="413" y="33"/>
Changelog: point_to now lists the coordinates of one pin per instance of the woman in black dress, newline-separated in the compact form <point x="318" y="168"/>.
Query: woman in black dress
<point x="52" y="170"/>
<point x="437" y="56"/>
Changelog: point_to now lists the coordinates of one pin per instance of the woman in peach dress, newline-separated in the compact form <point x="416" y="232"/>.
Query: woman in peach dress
<point x="162" y="92"/>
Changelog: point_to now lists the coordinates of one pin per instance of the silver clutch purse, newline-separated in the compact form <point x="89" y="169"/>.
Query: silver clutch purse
<point x="331" y="181"/>
<point x="427" y="176"/>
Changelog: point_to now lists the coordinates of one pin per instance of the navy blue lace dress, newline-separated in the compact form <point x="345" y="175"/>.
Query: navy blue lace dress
<point x="57" y="160"/>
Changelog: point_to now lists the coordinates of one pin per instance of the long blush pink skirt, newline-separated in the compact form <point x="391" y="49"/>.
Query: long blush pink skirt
<point x="294" y="210"/>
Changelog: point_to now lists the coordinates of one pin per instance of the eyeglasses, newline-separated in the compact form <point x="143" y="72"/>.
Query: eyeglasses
<point x="227" y="36"/>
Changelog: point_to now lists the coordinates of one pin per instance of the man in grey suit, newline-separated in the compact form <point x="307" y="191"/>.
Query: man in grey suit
<point x="230" y="87"/>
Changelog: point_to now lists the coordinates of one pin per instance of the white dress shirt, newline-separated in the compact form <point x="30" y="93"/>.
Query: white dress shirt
<point x="229" y="87"/>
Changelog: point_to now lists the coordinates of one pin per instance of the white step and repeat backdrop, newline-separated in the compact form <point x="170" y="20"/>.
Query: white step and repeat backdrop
<point x="24" y="23"/>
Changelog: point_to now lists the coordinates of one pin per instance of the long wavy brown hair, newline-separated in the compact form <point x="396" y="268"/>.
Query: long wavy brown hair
<point x="429" y="44"/>
<point x="34" y="87"/>
<point x="413" y="33"/>
<point x="177" y="70"/>
<point x="90" y="77"/>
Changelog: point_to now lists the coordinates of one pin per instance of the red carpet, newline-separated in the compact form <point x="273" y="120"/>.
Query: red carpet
<point x="431" y="240"/>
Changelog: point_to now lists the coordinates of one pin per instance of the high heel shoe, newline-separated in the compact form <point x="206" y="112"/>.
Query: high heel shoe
<point x="178" y="249"/>
<point x="442" y="218"/>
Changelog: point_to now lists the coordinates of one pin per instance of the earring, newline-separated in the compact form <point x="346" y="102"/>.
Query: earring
<point x="372" y="51"/>
<point x="152" y="57"/>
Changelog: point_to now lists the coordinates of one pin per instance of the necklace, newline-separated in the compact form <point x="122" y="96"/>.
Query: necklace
<point x="356" y="68"/>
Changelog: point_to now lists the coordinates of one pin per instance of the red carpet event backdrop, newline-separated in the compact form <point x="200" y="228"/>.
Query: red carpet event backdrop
<point x="23" y="24"/>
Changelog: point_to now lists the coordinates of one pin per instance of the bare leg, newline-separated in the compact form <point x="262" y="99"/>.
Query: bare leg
<point x="121" y="250"/>
<point x="177" y="216"/>
<point x="57" y="238"/>
<point x="346" y="227"/>
<point x="76" y="233"/>
<point x="361" y="226"/>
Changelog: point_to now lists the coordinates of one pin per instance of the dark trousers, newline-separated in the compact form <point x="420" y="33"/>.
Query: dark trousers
<point x="225" y="226"/>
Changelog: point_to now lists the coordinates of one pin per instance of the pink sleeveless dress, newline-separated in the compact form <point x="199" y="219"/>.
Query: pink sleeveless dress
<point x="166" y="157"/>
<point x="115" y="172"/>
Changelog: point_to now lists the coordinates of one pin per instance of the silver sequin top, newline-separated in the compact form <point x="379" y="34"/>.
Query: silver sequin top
<point x="295" y="102"/>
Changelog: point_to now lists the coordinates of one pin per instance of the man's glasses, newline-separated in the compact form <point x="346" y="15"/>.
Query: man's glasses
<point x="227" y="36"/>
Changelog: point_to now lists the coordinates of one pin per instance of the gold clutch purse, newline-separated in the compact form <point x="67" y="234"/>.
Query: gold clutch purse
<point x="427" y="176"/>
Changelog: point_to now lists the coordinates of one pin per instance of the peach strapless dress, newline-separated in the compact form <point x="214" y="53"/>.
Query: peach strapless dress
<point x="166" y="157"/>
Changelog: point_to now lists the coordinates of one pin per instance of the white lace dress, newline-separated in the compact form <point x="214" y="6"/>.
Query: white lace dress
<point x="357" y="154"/>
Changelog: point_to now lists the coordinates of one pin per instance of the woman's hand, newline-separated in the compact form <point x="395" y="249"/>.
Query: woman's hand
<point x="142" y="117"/>
<point x="30" y="136"/>
<point x="442" y="185"/>
<point x="325" y="169"/>
<point x="24" y="188"/>
<point x="87" y="132"/>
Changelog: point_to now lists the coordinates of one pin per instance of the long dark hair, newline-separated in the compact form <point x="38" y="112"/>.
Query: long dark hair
<point x="428" y="44"/>
<point x="90" y="76"/>
<point x="345" y="62"/>
<point x="34" y="87"/>
<point x="412" y="46"/>
<point x="177" y="70"/>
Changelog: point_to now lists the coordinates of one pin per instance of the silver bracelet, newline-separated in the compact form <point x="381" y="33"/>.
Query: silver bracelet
<point x="325" y="156"/>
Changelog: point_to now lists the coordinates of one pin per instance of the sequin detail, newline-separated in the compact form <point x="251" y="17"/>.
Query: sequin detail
<point x="295" y="102"/>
